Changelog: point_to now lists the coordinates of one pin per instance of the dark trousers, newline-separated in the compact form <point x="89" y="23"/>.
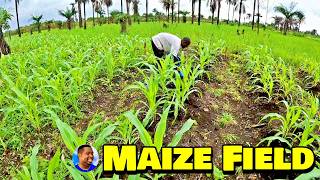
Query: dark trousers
<point x="157" y="52"/>
<point x="160" y="54"/>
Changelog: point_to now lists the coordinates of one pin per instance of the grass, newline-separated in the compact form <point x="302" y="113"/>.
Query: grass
<point x="226" y="119"/>
<point x="217" y="92"/>
<point x="230" y="138"/>
<point x="291" y="48"/>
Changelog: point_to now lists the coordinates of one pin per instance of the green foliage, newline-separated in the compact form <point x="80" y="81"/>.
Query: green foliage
<point x="217" y="174"/>
<point x="231" y="138"/>
<point x="160" y="130"/>
<point x="310" y="175"/>
<point x="226" y="119"/>
<point x="5" y="16"/>
<point x="72" y="140"/>
<point x="32" y="171"/>
<point x="68" y="13"/>
<point x="37" y="19"/>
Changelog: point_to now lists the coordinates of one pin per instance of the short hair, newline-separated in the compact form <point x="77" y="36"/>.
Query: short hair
<point x="187" y="40"/>
<point x="80" y="148"/>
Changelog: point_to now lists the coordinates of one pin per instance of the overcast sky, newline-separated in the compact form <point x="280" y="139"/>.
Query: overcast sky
<point x="49" y="9"/>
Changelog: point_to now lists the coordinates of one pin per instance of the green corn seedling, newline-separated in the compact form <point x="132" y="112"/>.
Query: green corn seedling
<point x="288" y="122"/>
<point x="32" y="170"/>
<point x="72" y="140"/>
<point x="267" y="83"/>
<point x="186" y="86"/>
<point x="159" y="135"/>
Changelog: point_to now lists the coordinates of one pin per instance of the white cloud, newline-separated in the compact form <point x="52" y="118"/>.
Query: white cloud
<point x="49" y="8"/>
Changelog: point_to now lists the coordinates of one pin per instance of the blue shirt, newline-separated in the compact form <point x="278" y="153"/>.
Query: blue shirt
<point x="82" y="170"/>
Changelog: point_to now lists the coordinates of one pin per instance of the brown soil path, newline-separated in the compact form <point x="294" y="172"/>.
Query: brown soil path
<point x="223" y="98"/>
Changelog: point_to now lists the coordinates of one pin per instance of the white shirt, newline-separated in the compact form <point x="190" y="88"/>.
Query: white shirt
<point x="167" y="42"/>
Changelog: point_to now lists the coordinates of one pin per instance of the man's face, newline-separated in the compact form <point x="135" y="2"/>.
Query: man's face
<point x="86" y="156"/>
<point x="184" y="44"/>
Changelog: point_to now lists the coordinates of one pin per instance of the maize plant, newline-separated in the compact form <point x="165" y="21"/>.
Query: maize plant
<point x="186" y="86"/>
<point x="25" y="104"/>
<point x="205" y="59"/>
<point x="313" y="75"/>
<point x="110" y="65"/>
<point x="165" y="71"/>
<point x="311" y="124"/>
<point x="264" y="83"/>
<point x="157" y="140"/>
<point x="287" y="80"/>
<point x="150" y="89"/>
<point x="308" y="136"/>
<point x="55" y="76"/>
<point x="289" y="124"/>
<point x="32" y="171"/>
<point x="256" y="59"/>
<point x="126" y="131"/>
<point x="72" y="141"/>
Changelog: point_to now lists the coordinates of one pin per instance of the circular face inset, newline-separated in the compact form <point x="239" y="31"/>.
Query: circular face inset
<point x="85" y="158"/>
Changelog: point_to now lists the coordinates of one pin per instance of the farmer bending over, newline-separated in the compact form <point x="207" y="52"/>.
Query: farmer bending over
<point x="165" y="43"/>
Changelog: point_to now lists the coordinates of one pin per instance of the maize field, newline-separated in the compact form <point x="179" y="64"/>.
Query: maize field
<point x="62" y="89"/>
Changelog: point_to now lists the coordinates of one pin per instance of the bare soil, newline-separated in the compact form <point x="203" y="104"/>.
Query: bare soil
<point x="207" y="109"/>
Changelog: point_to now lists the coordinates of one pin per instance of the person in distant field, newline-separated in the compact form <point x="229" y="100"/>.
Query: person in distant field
<point x="165" y="43"/>
<point x="85" y="155"/>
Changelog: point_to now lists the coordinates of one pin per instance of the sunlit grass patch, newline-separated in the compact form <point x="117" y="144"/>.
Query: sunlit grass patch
<point x="226" y="119"/>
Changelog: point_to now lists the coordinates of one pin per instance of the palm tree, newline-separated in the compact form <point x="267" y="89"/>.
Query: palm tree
<point x="59" y="24"/>
<point x="172" y="9"/>
<point x="199" y="12"/>
<point x="121" y="6"/>
<point x="73" y="7"/>
<point x="166" y="5"/>
<point x="101" y="13"/>
<point x="267" y="11"/>
<point x="184" y="15"/>
<point x="84" y="13"/>
<point x="248" y="16"/>
<point x="277" y="21"/>
<point x="93" y="3"/>
<point x="213" y="6"/>
<point x="219" y="7"/>
<point x="158" y="14"/>
<point x="37" y="22"/>
<point x="234" y="3"/>
<point x="289" y="14"/>
<point x="146" y="10"/>
<point x="258" y="16"/>
<point x="254" y="12"/>
<point x="229" y="2"/>
<point x="301" y="17"/>
<point x="108" y="3"/>
<point x="48" y="23"/>
<point x="79" y="12"/>
<point x="136" y="10"/>
<point x="193" y="3"/>
<point x="16" y="2"/>
<point x="98" y="10"/>
<point x="178" y="11"/>
<point x="68" y="14"/>
<point x="128" y="11"/>
<point x="242" y="9"/>
<point x="5" y="16"/>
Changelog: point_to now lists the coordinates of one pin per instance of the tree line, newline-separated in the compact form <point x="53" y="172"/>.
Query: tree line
<point x="290" y="18"/>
